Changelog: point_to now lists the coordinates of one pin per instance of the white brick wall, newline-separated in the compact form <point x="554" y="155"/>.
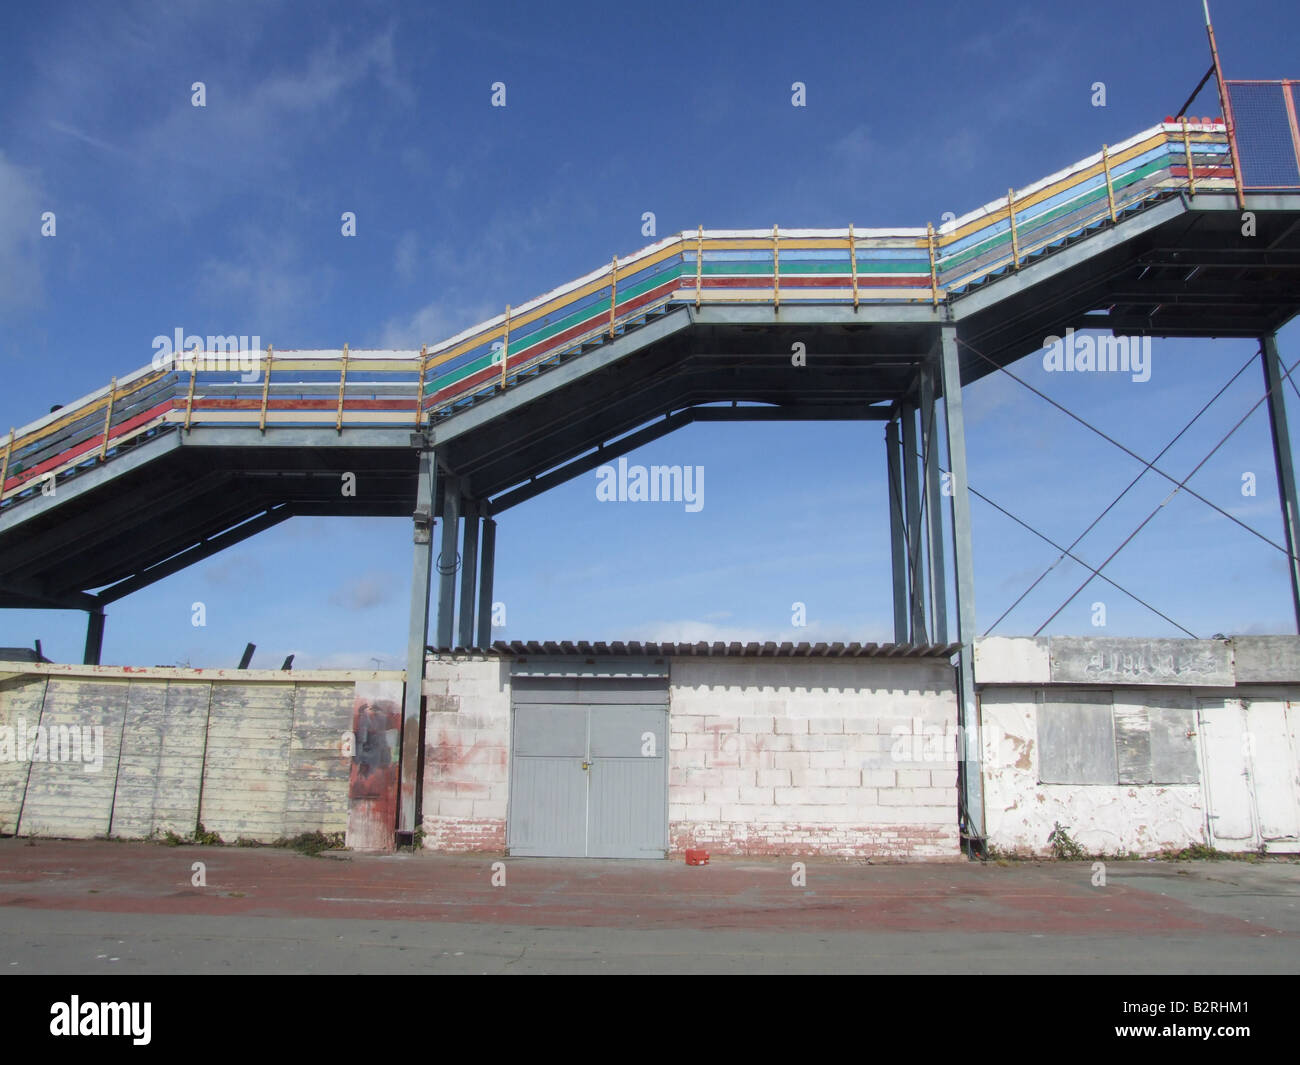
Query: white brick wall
<point x="466" y="752"/>
<point x="804" y="756"/>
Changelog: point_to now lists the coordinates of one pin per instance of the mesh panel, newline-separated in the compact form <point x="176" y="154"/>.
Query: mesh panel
<point x="1264" y="143"/>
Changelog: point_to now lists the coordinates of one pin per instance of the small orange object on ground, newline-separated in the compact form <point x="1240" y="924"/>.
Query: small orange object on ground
<point x="697" y="857"/>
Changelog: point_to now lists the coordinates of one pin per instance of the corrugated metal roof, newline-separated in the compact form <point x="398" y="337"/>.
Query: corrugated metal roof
<point x="703" y="649"/>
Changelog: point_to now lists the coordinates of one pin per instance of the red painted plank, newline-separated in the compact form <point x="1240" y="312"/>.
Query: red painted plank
<point x="88" y="445"/>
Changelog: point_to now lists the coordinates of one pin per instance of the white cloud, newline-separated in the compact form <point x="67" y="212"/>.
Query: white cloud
<point x="364" y="592"/>
<point x="406" y="256"/>
<point x="20" y="229"/>
<point x="692" y="630"/>
<point x="430" y="324"/>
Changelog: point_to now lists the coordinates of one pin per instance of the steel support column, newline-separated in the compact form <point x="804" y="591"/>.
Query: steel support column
<point x="94" y="636"/>
<point x="897" y="545"/>
<point x="912" y="516"/>
<point x="416" y="639"/>
<point x="1283" y="463"/>
<point x="971" y="766"/>
<point x="933" y="510"/>
<point x="468" y="575"/>
<point x="485" y="582"/>
<point x="447" y="563"/>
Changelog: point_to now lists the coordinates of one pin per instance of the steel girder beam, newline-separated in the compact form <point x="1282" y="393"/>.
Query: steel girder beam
<point x="468" y="576"/>
<point x="88" y="480"/>
<point x="897" y="536"/>
<point x="416" y="639"/>
<point x="20" y="595"/>
<point x="585" y="463"/>
<point x="205" y="548"/>
<point x="447" y="561"/>
<point x="505" y="403"/>
<point x="933" y="511"/>
<point x="126" y="556"/>
<point x="120" y="514"/>
<point x="912" y="521"/>
<point x="485" y="582"/>
<point x="94" y="637"/>
<point x="964" y="575"/>
<point x="670" y="422"/>
<point x="1283" y="463"/>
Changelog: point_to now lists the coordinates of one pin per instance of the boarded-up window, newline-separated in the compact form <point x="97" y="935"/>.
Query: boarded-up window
<point x="1076" y="740"/>
<point x="1098" y="738"/>
<point x="1153" y="736"/>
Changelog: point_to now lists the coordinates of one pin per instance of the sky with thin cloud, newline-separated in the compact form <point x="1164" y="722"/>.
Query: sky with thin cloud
<point x="225" y="220"/>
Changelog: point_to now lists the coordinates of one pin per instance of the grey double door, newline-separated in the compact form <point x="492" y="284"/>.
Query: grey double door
<point x="589" y="774"/>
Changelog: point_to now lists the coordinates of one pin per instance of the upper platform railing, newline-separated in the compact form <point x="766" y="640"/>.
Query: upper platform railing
<point x="411" y="389"/>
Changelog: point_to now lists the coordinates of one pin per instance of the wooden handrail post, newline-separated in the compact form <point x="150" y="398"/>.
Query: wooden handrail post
<point x="1015" y="241"/>
<point x="189" y="397"/>
<point x="934" y="276"/>
<point x="343" y="384"/>
<point x="419" y="395"/>
<point x="1110" y="188"/>
<point x="853" y="263"/>
<point x="108" y="419"/>
<point x="4" y="466"/>
<point x="266" y="389"/>
<point x="699" y="264"/>
<point x="776" y="269"/>
<point x="613" y="295"/>
<point x="505" y="348"/>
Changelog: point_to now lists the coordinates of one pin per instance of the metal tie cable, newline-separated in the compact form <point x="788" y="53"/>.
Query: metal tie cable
<point x="1133" y="454"/>
<point x="1113" y="502"/>
<point x="1177" y="488"/>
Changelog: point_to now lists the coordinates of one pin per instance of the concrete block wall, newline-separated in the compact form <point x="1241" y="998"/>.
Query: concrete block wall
<point x="842" y="757"/>
<point x="466" y="783"/>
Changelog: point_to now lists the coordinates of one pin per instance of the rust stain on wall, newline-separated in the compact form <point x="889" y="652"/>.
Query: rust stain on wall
<point x="372" y="781"/>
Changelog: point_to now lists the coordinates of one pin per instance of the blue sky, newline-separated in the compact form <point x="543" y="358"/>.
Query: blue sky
<point x="225" y="220"/>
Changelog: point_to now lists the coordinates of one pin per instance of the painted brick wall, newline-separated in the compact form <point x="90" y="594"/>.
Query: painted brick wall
<point x="846" y="757"/>
<point x="466" y="753"/>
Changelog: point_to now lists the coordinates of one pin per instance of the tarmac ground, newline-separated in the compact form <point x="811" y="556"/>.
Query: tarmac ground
<point x="105" y="907"/>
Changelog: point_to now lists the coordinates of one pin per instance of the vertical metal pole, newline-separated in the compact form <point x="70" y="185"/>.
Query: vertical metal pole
<point x="468" y="575"/>
<point x="1283" y="462"/>
<point x="447" y="563"/>
<point x="485" y="583"/>
<point x="417" y="637"/>
<point x="94" y="636"/>
<point x="896" y="541"/>
<point x="963" y="566"/>
<point x="915" y="570"/>
<point x="1225" y="102"/>
<point x="933" y="508"/>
